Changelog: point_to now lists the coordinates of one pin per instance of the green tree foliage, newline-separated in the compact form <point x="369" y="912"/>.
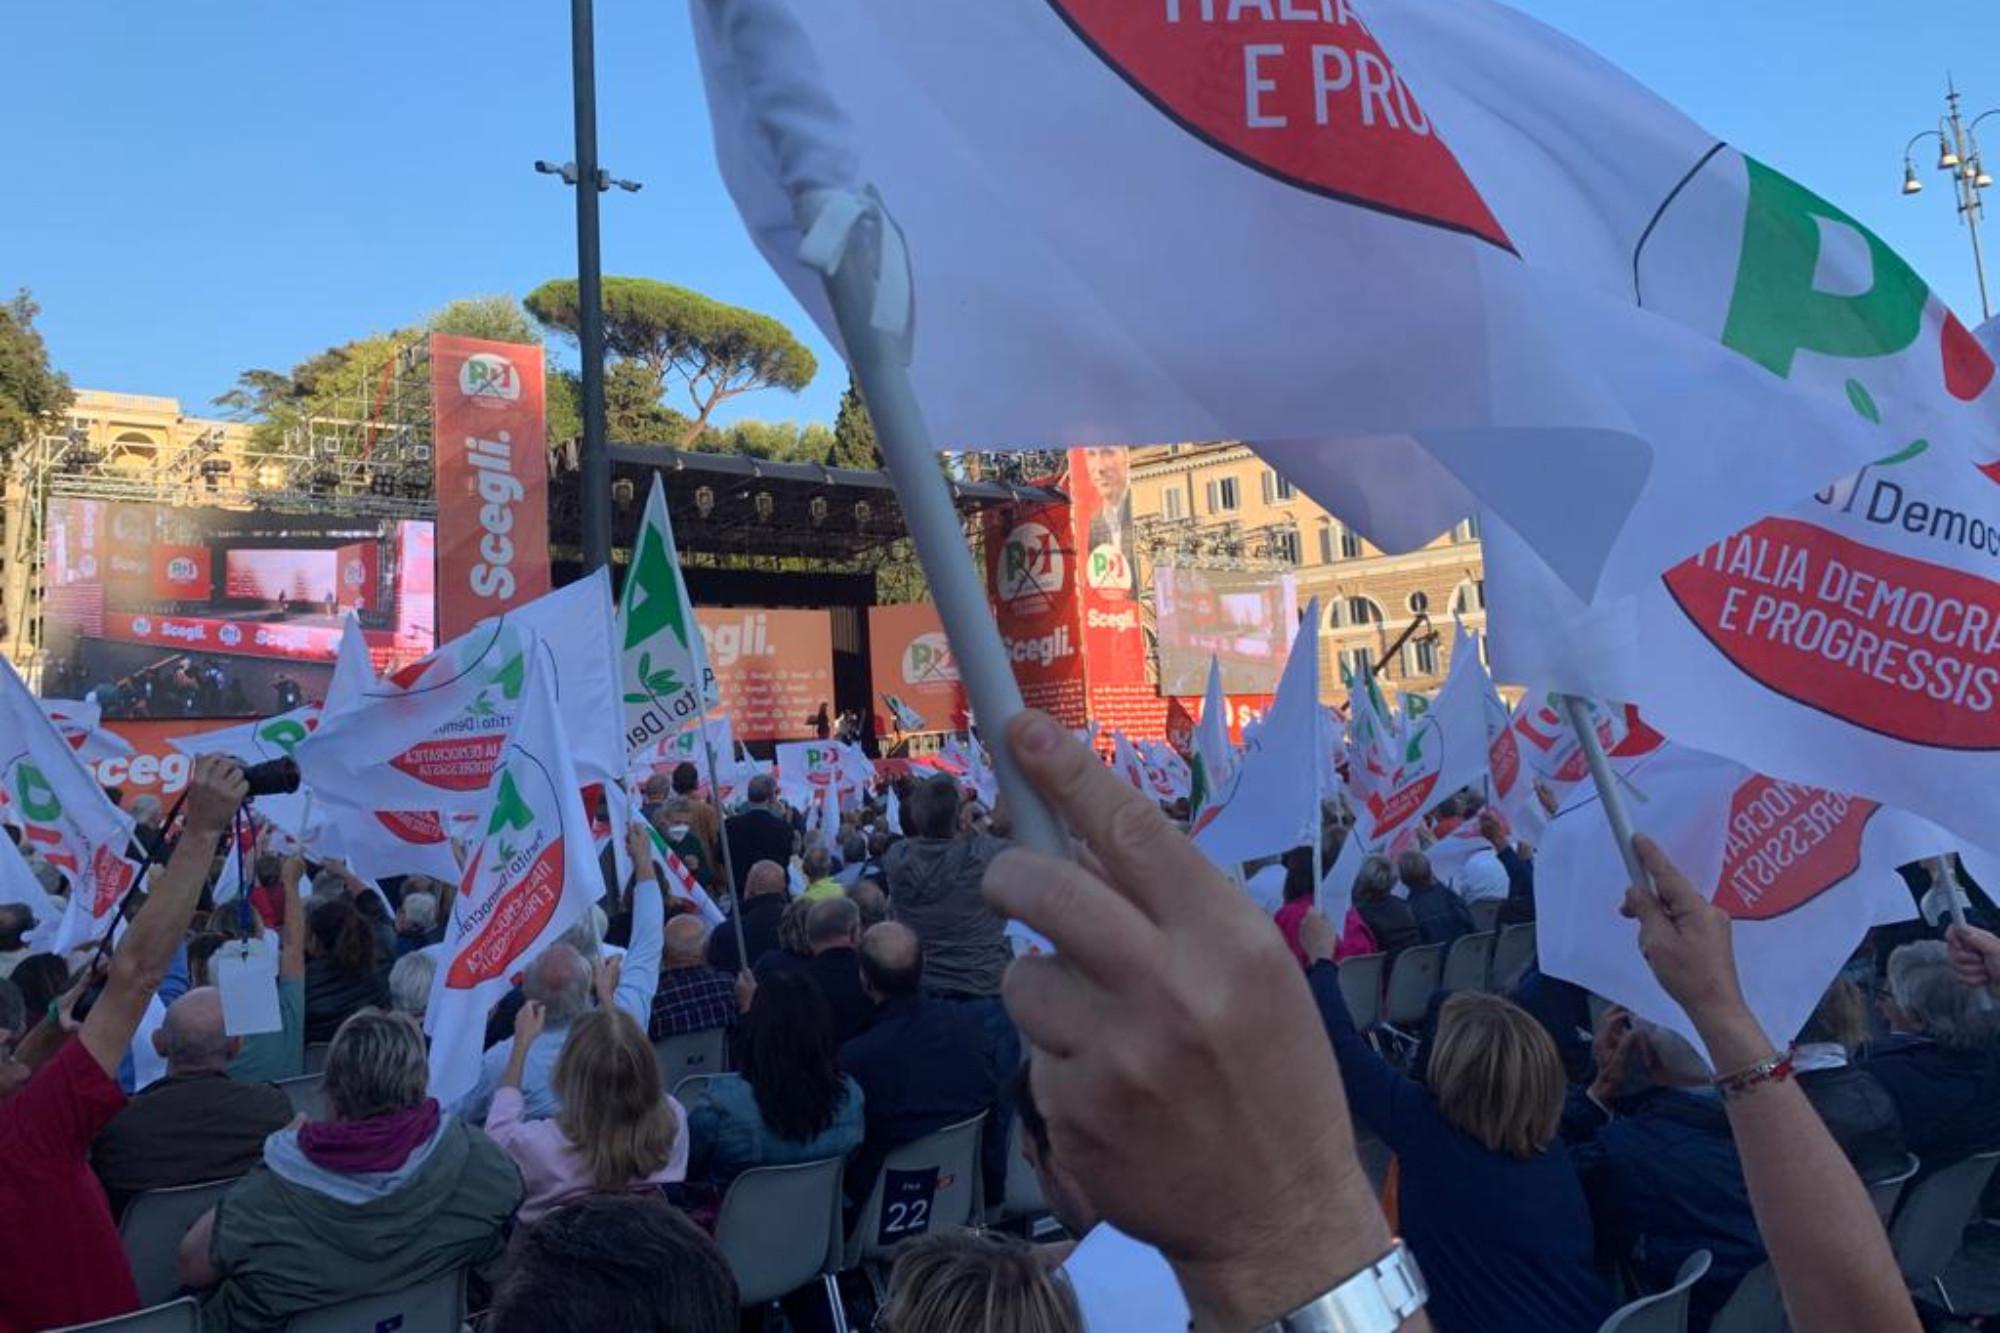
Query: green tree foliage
<point x="715" y="351"/>
<point x="854" y="434"/>
<point x="33" y="395"/>
<point x="496" y="318"/>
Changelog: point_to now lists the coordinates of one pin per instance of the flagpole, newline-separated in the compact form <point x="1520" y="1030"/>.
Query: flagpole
<point x="1607" y="786"/>
<point x="878" y="361"/>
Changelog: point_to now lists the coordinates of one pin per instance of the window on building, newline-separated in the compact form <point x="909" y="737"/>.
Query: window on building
<point x="1350" y="543"/>
<point x="1470" y="597"/>
<point x="1275" y="487"/>
<point x="1420" y="602"/>
<point x="1356" y="663"/>
<point x="1172" y="502"/>
<point x="1285" y="545"/>
<point x="1420" y="657"/>
<point x="1223" y="497"/>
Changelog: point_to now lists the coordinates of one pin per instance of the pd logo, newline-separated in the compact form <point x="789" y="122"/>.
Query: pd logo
<point x="229" y="636"/>
<point x="928" y="660"/>
<point x="489" y="380"/>
<point x="1108" y="569"/>
<point x="1028" y="577"/>
<point x="1787" y="845"/>
<point x="1304" y="95"/>
<point x="141" y="626"/>
<point x="181" y="569"/>
<point x="351" y="575"/>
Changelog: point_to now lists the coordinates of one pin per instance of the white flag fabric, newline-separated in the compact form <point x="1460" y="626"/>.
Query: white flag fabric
<point x="979" y="771"/>
<point x="681" y="882"/>
<point x="1803" y="871"/>
<point x="532" y="874"/>
<point x="665" y="677"/>
<point x="1442" y="750"/>
<point x="81" y="723"/>
<point x="1170" y="773"/>
<point x="1272" y="802"/>
<point x="806" y="767"/>
<point x="1214" y="759"/>
<point x="1543" y="268"/>
<point x="1852" y="640"/>
<point x="19" y="885"/>
<point x="62" y="813"/>
<point x="257" y="743"/>
<point x="353" y="668"/>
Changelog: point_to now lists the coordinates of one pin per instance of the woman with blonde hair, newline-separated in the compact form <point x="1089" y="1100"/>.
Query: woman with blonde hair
<point x="1491" y="1204"/>
<point x="617" y="1129"/>
<point x="971" y="1282"/>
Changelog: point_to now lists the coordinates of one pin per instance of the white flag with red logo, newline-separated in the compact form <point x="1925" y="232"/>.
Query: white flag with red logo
<point x="257" y="743"/>
<point x="1803" y="871"/>
<point x="1271" y="804"/>
<point x="533" y="873"/>
<point x="805" y="768"/>
<point x="80" y="723"/>
<point x="62" y="813"/>
<point x="1442" y="750"/>
<point x="1544" y="270"/>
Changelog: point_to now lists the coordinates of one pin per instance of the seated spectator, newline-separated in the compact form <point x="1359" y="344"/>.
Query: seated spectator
<point x="1945" y="1077"/>
<point x="693" y="997"/>
<point x="868" y="895"/>
<point x="1388" y="919"/>
<point x="1856" y="1107"/>
<point x="195" y="1124"/>
<point x="922" y="1064"/>
<point x="410" y="982"/>
<point x="387" y="1193"/>
<point x="833" y="933"/>
<point x="1662" y="1173"/>
<point x="345" y="969"/>
<point x="794" y="949"/>
<point x="789" y="1103"/>
<point x="16" y="920"/>
<point x="765" y="895"/>
<point x="417" y="922"/>
<point x="974" y="1282"/>
<point x="1489" y="1197"/>
<point x="629" y="1263"/>
<point x="1440" y="915"/>
<point x="617" y="1127"/>
<point x="817" y="865"/>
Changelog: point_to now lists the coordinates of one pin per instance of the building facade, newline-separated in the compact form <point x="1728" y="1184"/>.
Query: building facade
<point x="127" y="440"/>
<point x="1221" y="506"/>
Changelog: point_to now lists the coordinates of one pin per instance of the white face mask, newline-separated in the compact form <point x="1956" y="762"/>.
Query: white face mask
<point x="675" y="832"/>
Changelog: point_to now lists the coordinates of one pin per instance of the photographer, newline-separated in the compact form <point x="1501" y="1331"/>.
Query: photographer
<point x="70" y="1267"/>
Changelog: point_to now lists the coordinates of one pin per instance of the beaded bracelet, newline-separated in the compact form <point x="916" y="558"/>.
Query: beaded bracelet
<point x="1772" y="1069"/>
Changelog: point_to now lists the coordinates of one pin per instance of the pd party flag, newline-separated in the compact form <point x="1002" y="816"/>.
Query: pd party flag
<point x="1213" y="758"/>
<point x="62" y="813"/>
<point x="80" y="723"/>
<point x="666" y="681"/>
<point x="1544" y="269"/>
<point x="531" y="875"/>
<point x="1803" y="871"/>
<point x="1272" y="803"/>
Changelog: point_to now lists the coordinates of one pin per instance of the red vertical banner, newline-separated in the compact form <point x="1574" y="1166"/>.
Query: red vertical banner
<point x="492" y="478"/>
<point x="1031" y="569"/>
<point x="356" y="569"/>
<point x="1108" y="559"/>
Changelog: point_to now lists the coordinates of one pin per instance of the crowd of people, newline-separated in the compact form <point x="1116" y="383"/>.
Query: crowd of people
<point x="1182" y="1067"/>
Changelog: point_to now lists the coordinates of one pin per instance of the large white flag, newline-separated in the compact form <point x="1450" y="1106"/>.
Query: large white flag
<point x="1214" y="760"/>
<point x="1853" y="640"/>
<point x="81" y="723"/>
<point x="1543" y="269"/>
<point x="19" y="885"/>
<point x="62" y="813"/>
<point x="1803" y="871"/>
<point x="1272" y="802"/>
<point x="257" y="743"/>
<point x="1443" y="749"/>
<point x="666" y="681"/>
<point x="532" y="874"/>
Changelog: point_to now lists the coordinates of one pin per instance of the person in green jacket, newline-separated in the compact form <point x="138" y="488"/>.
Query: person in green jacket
<point x="388" y="1193"/>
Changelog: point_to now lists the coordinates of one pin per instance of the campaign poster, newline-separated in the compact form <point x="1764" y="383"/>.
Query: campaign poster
<point x="773" y="668"/>
<point x="911" y="661"/>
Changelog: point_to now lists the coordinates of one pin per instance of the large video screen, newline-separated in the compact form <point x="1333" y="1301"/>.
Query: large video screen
<point x="168" y="611"/>
<point x="1245" y="621"/>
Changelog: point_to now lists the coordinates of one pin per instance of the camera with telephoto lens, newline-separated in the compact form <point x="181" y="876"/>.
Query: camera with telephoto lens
<point x="273" y="777"/>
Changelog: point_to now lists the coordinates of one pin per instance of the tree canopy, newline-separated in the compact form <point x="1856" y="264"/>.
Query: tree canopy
<point x="33" y="394"/>
<point x="714" y="350"/>
<point x="854" y="434"/>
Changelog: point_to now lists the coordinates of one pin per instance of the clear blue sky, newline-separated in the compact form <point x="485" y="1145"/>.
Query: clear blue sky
<point x="196" y="188"/>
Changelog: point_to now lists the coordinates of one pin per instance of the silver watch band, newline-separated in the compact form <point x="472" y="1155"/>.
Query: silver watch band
<point x="1376" y="1300"/>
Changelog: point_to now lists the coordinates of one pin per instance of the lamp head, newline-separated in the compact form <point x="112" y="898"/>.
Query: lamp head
<point x="1911" y="185"/>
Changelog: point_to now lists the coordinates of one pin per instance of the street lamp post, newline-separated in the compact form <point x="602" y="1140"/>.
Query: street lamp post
<point x="590" y="181"/>
<point x="1958" y="154"/>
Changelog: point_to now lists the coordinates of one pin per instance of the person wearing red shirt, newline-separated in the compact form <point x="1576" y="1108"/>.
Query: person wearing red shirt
<point x="64" y="1261"/>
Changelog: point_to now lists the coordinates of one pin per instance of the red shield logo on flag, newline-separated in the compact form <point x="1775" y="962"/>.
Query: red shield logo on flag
<point x="1787" y="845"/>
<point x="1297" y="89"/>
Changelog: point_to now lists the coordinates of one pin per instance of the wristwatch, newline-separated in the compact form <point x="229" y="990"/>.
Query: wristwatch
<point x="1376" y="1300"/>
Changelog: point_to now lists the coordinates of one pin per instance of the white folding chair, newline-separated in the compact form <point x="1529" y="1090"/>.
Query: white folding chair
<point x="151" y="1230"/>
<point x="181" y="1316"/>
<point x="1888" y="1191"/>
<point x="780" y="1228"/>
<point x="1512" y="954"/>
<point x="691" y="1053"/>
<point x="694" y="1088"/>
<point x="1413" y="978"/>
<point x="436" y="1306"/>
<point x="935" y="1187"/>
<point x="307" y="1093"/>
<point x="1467" y="963"/>
<point x="1361" y="987"/>
<point x="1486" y="914"/>
<point x="1930" y="1224"/>
<point x="1666" y="1312"/>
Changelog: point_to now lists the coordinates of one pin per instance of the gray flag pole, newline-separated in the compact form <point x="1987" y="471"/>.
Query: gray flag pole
<point x="877" y="359"/>
<point x="722" y="837"/>
<point x="1606" y="783"/>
